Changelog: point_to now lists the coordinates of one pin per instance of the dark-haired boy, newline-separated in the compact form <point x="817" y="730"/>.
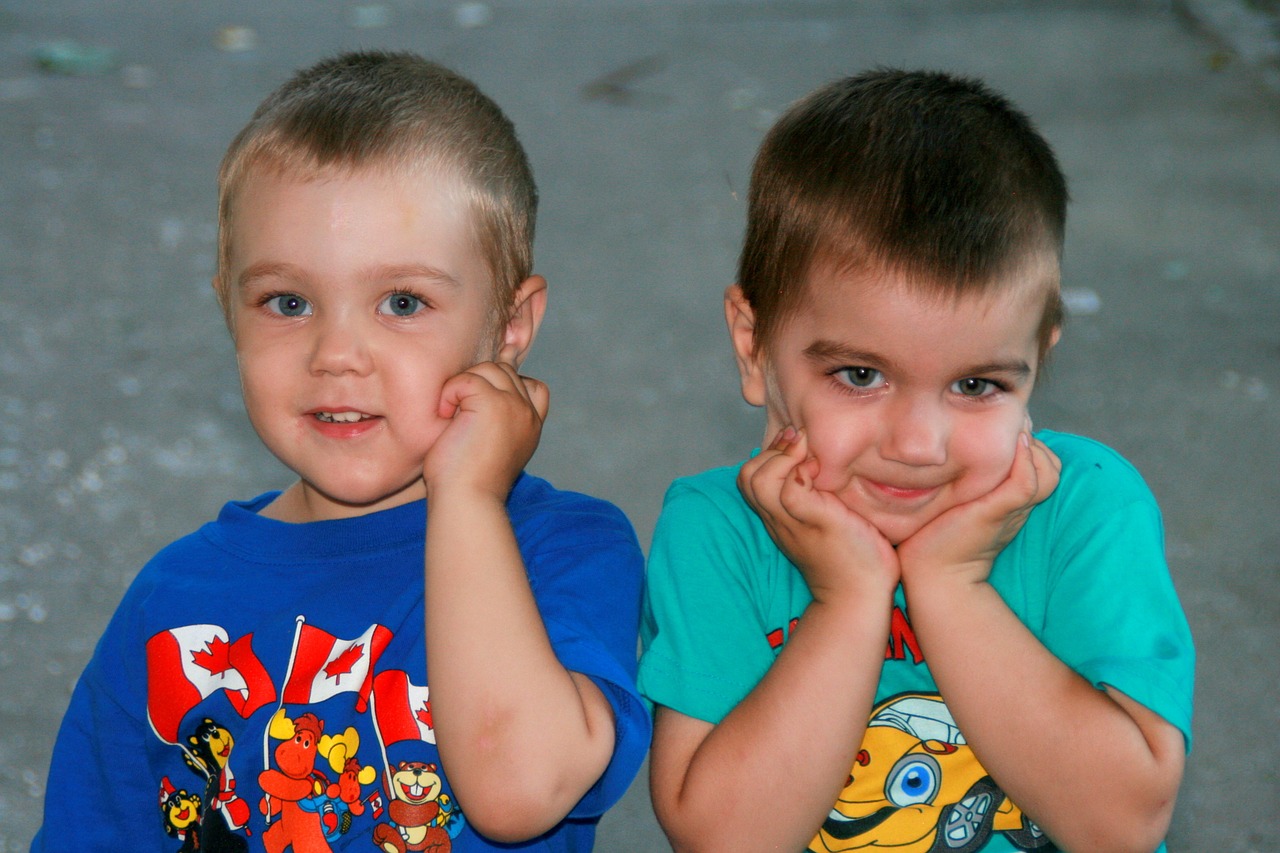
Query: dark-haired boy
<point x="898" y="293"/>
<point x="275" y="680"/>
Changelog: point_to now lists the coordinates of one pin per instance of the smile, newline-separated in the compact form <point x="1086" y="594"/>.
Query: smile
<point x="345" y="425"/>
<point x="901" y="493"/>
<point x="341" y="417"/>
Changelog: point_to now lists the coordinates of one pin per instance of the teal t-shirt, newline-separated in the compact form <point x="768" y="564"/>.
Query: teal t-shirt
<point x="1086" y="574"/>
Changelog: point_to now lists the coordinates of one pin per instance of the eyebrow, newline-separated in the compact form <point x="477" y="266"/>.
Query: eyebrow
<point x="385" y="272"/>
<point x="824" y="351"/>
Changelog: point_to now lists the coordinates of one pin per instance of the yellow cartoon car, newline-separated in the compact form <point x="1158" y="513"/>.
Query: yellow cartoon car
<point x="916" y="787"/>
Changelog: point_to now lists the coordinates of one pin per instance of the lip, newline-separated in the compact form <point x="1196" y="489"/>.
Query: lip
<point x="342" y="429"/>
<point x="900" y="494"/>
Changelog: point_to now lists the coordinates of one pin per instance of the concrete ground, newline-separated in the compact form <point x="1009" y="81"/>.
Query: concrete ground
<point x="117" y="385"/>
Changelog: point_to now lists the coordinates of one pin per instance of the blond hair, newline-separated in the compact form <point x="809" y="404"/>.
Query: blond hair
<point x="398" y="111"/>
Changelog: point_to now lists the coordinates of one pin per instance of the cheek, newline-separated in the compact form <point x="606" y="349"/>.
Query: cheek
<point x="836" y="439"/>
<point x="260" y="386"/>
<point x="986" y="451"/>
<point x="413" y="392"/>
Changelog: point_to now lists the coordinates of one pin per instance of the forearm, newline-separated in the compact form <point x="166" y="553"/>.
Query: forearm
<point x="523" y="738"/>
<point x="767" y="775"/>
<point x="1072" y="757"/>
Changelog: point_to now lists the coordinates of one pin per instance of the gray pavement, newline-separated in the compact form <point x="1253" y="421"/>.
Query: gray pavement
<point x="123" y="422"/>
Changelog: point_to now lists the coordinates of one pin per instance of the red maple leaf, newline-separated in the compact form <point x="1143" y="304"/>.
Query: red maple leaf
<point x="216" y="659"/>
<point x="424" y="714"/>
<point x="341" y="665"/>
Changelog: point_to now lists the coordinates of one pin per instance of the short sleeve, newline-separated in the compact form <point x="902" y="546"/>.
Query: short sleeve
<point x="586" y="570"/>
<point x="1112" y="613"/>
<point x="115" y="809"/>
<point x="705" y="628"/>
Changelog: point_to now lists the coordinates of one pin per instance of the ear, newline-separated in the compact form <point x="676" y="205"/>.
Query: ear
<point x="527" y="309"/>
<point x="741" y="320"/>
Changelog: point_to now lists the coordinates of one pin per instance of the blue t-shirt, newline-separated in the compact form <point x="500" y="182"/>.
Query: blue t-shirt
<point x="258" y="666"/>
<point x="1086" y="575"/>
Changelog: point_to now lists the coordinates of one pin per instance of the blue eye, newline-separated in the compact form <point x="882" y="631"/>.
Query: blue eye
<point x="288" y="305"/>
<point x="861" y="377"/>
<point x="914" y="780"/>
<point x="974" y="387"/>
<point x="401" y="305"/>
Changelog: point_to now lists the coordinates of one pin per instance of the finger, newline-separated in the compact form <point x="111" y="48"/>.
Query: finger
<point x="538" y="394"/>
<point x="1048" y="469"/>
<point x="504" y="377"/>
<point x="508" y="356"/>
<point x="785" y="437"/>
<point x="796" y="492"/>
<point x="501" y="376"/>
<point x="778" y="446"/>
<point x="761" y="479"/>
<point x="1035" y="473"/>
<point x="456" y="390"/>
<point x="1018" y="490"/>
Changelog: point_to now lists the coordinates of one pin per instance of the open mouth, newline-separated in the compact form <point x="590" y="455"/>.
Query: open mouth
<point x="341" y="417"/>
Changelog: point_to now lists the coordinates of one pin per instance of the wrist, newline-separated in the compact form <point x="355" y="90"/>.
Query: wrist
<point x="454" y="491"/>
<point x="945" y="585"/>
<point x="856" y="595"/>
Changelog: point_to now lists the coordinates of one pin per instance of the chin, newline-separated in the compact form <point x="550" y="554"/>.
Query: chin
<point x="899" y="530"/>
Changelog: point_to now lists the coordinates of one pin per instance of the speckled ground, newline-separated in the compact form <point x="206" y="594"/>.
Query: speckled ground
<point x="123" y="422"/>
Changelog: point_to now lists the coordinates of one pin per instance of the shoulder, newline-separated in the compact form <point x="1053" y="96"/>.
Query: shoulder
<point x="236" y="534"/>
<point x="1091" y="470"/>
<point x="715" y="483"/>
<point x="707" y="526"/>
<point x="710" y="494"/>
<point x="1100" y="498"/>
<point x="540" y="512"/>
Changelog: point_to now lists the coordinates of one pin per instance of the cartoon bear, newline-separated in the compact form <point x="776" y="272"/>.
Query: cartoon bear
<point x="210" y="748"/>
<point x="418" y="810"/>
<point x="180" y="811"/>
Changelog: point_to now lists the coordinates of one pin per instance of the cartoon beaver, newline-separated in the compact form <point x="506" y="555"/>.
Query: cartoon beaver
<point x="418" y="812"/>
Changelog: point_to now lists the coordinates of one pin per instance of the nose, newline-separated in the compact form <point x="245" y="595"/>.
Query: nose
<point x="340" y="346"/>
<point x="916" y="432"/>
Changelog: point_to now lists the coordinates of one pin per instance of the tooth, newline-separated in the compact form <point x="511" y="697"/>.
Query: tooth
<point x="340" y="417"/>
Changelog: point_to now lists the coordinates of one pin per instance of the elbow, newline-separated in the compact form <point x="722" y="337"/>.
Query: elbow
<point x="518" y="806"/>
<point x="1147" y="832"/>
<point x="683" y="833"/>
<point x="510" y="820"/>
<point x="1142" y="829"/>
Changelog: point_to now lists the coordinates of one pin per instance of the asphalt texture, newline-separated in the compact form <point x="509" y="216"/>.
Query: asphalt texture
<point x="123" y="425"/>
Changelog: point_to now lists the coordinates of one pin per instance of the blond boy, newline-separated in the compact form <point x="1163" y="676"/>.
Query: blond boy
<point x="898" y="294"/>
<point x="276" y="680"/>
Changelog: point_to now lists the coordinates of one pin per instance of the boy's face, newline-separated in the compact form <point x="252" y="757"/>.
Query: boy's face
<point x="352" y="298"/>
<point x="912" y="402"/>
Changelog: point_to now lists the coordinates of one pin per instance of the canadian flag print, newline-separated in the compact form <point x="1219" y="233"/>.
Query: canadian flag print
<point x="401" y="710"/>
<point x="324" y="666"/>
<point x="186" y="665"/>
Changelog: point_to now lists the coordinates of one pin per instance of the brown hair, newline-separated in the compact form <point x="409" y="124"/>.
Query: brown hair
<point x="920" y="172"/>
<point x="394" y="110"/>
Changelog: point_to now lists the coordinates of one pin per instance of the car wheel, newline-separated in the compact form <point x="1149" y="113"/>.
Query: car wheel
<point x="1031" y="838"/>
<point x="964" y="827"/>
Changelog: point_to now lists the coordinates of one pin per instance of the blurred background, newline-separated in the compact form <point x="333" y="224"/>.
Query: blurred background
<point x="123" y="422"/>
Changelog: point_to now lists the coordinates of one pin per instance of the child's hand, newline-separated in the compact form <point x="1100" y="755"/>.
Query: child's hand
<point x="834" y="547"/>
<point x="496" y="418"/>
<point x="965" y="540"/>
